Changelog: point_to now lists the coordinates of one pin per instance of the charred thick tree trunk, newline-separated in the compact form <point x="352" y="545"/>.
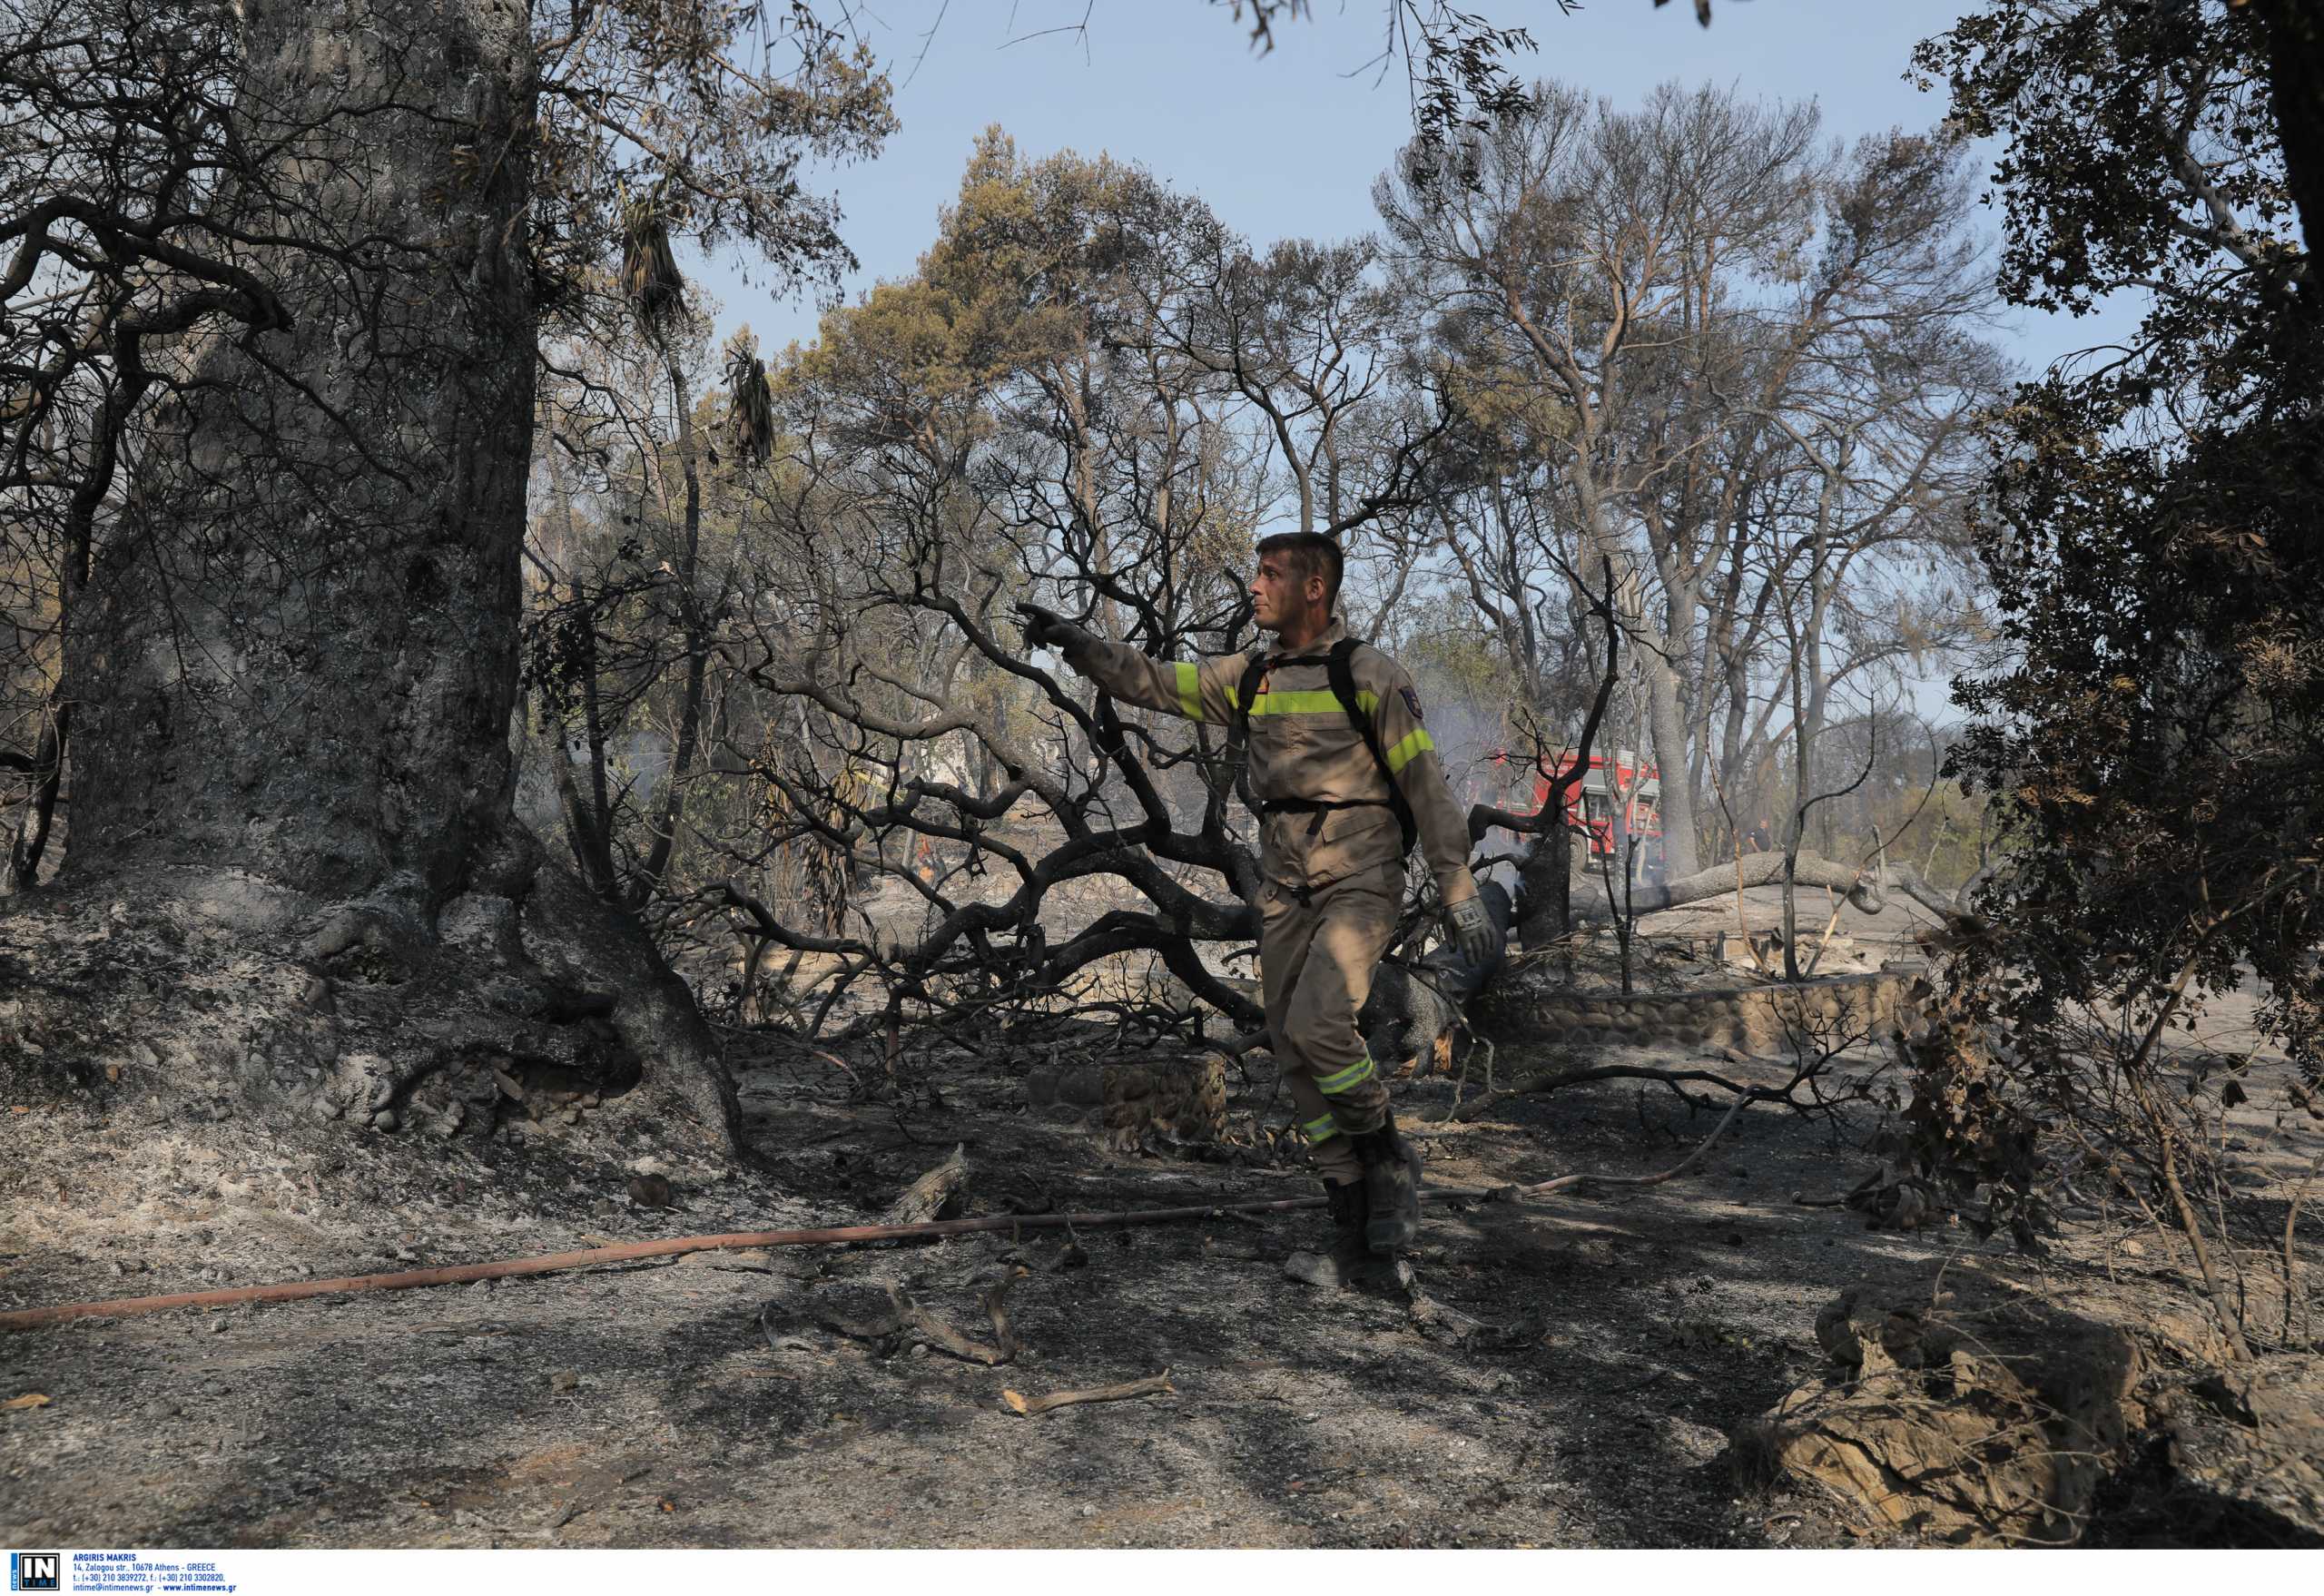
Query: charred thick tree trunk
<point x="1544" y="888"/>
<point x="301" y="655"/>
<point x="296" y="668"/>
<point x="2296" y="79"/>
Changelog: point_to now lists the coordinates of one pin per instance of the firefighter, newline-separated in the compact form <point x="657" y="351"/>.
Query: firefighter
<point x="1347" y="778"/>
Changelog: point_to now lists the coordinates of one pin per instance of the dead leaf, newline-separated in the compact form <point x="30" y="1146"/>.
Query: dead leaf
<point x="1016" y="1400"/>
<point x="668" y="1506"/>
<point x="31" y="1399"/>
<point x="20" y="1108"/>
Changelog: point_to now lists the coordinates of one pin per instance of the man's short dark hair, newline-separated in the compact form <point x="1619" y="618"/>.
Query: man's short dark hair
<point x="1314" y="555"/>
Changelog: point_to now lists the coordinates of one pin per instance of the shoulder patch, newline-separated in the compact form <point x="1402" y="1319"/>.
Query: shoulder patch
<point x="1412" y="702"/>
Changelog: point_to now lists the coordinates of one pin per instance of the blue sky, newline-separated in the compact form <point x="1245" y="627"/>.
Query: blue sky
<point x="1287" y="145"/>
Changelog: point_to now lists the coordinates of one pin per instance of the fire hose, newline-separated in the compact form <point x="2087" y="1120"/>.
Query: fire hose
<point x="833" y="1235"/>
<point x="551" y="1262"/>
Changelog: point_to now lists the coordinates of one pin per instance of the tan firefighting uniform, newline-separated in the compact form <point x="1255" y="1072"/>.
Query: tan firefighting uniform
<point x="1330" y="882"/>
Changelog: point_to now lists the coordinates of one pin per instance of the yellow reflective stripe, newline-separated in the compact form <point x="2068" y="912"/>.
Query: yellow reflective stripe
<point x="1322" y="1129"/>
<point x="1321" y="702"/>
<point x="1354" y="1075"/>
<point x="1415" y="742"/>
<point x="1190" y="690"/>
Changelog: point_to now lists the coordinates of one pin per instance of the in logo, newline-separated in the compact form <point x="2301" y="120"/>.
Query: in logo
<point x="35" y="1571"/>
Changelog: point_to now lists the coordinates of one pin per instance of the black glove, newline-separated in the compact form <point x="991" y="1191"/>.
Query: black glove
<point x="1474" y="935"/>
<point x="1044" y="628"/>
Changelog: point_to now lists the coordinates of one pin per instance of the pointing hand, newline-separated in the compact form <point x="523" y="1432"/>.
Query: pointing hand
<point x="1044" y="628"/>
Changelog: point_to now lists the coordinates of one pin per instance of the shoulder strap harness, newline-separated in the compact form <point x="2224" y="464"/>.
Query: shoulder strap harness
<point x="1338" y="663"/>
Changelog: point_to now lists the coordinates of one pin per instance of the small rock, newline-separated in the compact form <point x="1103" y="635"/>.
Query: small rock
<point x="386" y="1119"/>
<point x="565" y="1380"/>
<point x="479" y="1287"/>
<point x="216" y="1327"/>
<point x="649" y="1191"/>
<point x="343" y="931"/>
<point x="920" y="1349"/>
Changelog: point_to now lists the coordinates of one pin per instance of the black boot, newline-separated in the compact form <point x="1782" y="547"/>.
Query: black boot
<point x="1350" y="1262"/>
<point x="1351" y="1252"/>
<point x="1390" y="1185"/>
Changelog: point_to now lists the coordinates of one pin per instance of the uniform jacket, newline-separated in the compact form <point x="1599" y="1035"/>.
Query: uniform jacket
<point x="1303" y="745"/>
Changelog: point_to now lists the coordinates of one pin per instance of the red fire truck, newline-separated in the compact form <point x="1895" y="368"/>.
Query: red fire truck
<point x="1617" y="807"/>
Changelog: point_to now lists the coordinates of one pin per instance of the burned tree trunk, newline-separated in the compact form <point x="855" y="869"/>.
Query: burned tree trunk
<point x="301" y="655"/>
<point x="1754" y="869"/>
<point x="293" y="674"/>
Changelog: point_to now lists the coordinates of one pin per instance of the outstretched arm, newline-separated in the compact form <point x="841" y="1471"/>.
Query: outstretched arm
<point x="1200" y="691"/>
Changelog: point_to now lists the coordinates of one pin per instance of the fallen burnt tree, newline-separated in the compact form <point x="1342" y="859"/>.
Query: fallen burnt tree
<point x="1861" y="887"/>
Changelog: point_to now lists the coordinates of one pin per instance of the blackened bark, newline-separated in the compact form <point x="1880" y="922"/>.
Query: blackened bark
<point x="2296" y="77"/>
<point x="293" y="668"/>
<point x="299" y="655"/>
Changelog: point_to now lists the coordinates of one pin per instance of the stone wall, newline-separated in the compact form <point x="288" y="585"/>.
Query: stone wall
<point x="1523" y="1008"/>
<point x="1125" y="1102"/>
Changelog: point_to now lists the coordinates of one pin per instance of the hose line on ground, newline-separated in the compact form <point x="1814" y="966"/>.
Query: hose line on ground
<point x="834" y="1235"/>
<point x="550" y="1263"/>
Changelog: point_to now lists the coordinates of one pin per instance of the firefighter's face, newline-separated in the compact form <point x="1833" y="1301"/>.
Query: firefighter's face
<point x="1280" y="593"/>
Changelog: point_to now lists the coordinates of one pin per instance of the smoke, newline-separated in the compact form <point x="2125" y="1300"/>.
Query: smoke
<point x="1469" y="731"/>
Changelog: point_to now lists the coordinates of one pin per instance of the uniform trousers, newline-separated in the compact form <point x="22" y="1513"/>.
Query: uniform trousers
<point x="1317" y="951"/>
